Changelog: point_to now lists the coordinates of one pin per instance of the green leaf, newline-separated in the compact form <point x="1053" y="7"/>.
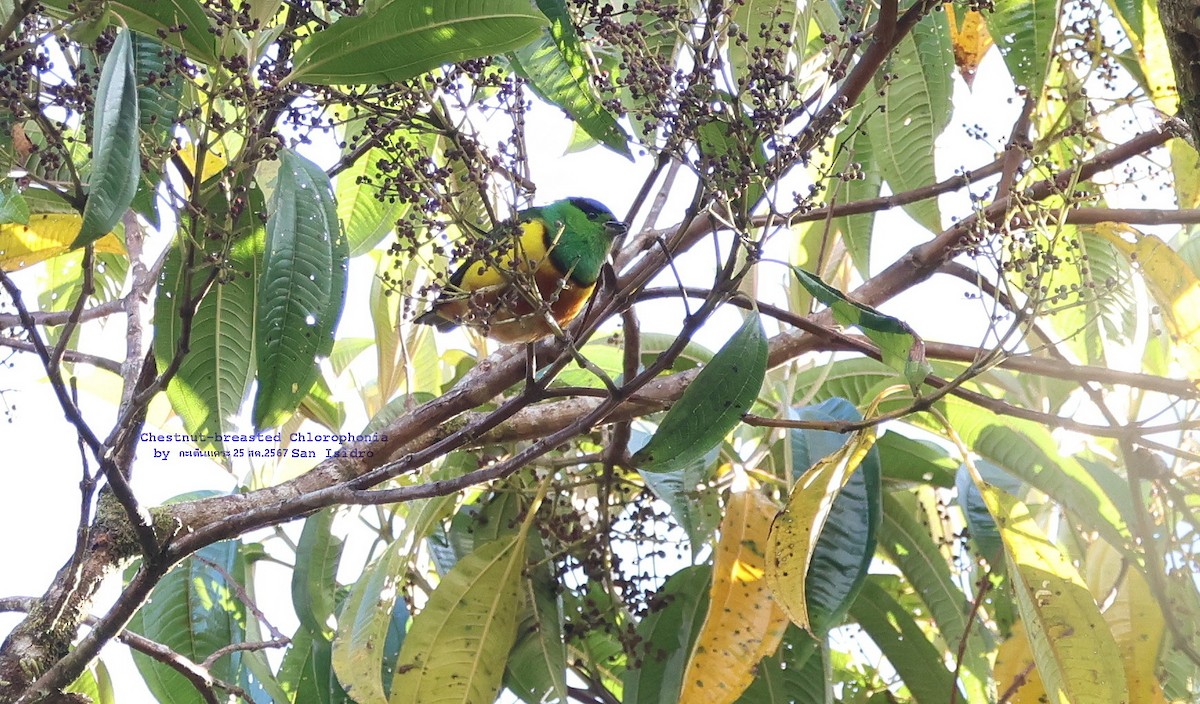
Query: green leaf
<point x="1132" y="16"/>
<point x="458" y="643"/>
<point x="405" y="39"/>
<point x="397" y="630"/>
<point x="857" y="177"/>
<point x="537" y="666"/>
<point x="321" y="407"/>
<point x="94" y="683"/>
<point x="1027" y="451"/>
<point x="795" y="674"/>
<point x="915" y="461"/>
<point x="753" y="18"/>
<point x="693" y="506"/>
<point x="159" y="88"/>
<point x="306" y="673"/>
<point x="899" y="346"/>
<point x="363" y="625"/>
<point x="916" y="108"/>
<point x="598" y="651"/>
<point x="212" y="381"/>
<point x="667" y="634"/>
<point x="892" y="627"/>
<point x="692" y="356"/>
<point x="1024" y="31"/>
<point x="13" y="207"/>
<point x="856" y="379"/>
<point x="559" y="72"/>
<point x="257" y="676"/>
<point x="1101" y="304"/>
<point x="160" y="102"/>
<point x="346" y="350"/>
<point x="846" y="545"/>
<point x="367" y="214"/>
<point x="193" y="610"/>
<point x="911" y="549"/>
<point x="301" y="290"/>
<point x="149" y="17"/>
<point x="482" y="522"/>
<point x="116" y="166"/>
<point x="797" y="529"/>
<point x="314" y="579"/>
<point x="980" y="523"/>
<point x="731" y="150"/>
<point x="712" y="405"/>
<point x="606" y="354"/>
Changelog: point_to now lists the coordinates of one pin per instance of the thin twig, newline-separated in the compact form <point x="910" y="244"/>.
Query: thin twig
<point x="72" y="356"/>
<point x="985" y="585"/>
<point x="138" y="518"/>
<point x="60" y="317"/>
<point x="244" y="597"/>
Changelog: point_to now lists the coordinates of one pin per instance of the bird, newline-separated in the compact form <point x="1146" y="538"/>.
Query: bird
<point x="534" y="274"/>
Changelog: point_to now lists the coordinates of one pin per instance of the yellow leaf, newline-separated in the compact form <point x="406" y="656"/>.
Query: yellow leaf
<point x="1133" y="617"/>
<point x="1017" y="680"/>
<point x="1171" y="283"/>
<point x="46" y="236"/>
<point x="794" y="532"/>
<point x="970" y="39"/>
<point x="214" y="161"/>
<point x="1156" y="62"/>
<point x="743" y="624"/>
<point x="1185" y="166"/>
<point x="1076" y="655"/>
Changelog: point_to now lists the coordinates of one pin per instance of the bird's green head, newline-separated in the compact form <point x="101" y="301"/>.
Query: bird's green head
<point x="582" y="216"/>
<point x="597" y="214"/>
<point x="583" y="231"/>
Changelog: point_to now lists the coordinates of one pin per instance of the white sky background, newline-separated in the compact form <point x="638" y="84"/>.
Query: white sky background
<point x="39" y="510"/>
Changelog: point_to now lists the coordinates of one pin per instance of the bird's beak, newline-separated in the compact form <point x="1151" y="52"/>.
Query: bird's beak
<point x="616" y="228"/>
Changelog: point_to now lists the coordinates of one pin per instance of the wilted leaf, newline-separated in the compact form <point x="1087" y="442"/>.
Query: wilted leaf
<point x="1072" y="645"/>
<point x="1172" y="284"/>
<point x="1016" y="675"/>
<point x="970" y="38"/>
<point x="1133" y="616"/>
<point x="45" y="237"/>
<point x="794" y="534"/>
<point x="743" y="624"/>
<point x="844" y="550"/>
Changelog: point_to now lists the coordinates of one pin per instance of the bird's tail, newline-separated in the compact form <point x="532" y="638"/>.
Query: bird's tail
<point x="434" y="318"/>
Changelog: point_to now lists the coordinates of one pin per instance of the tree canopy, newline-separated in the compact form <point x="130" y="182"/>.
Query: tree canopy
<point x="848" y="498"/>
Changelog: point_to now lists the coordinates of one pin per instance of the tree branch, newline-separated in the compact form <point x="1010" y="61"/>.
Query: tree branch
<point x="72" y="356"/>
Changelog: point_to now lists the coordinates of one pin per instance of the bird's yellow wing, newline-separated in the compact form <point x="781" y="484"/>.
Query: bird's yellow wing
<point x="524" y="253"/>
